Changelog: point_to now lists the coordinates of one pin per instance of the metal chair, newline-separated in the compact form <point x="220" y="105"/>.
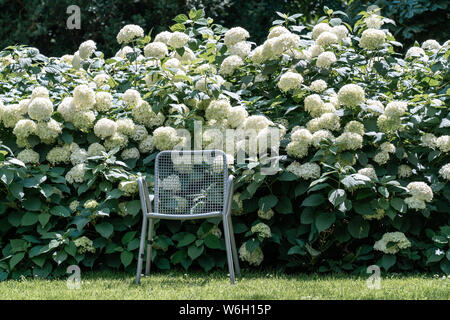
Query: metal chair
<point x="188" y="185"/>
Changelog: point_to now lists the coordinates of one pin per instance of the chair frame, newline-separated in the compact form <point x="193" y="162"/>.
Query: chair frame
<point x="149" y="216"/>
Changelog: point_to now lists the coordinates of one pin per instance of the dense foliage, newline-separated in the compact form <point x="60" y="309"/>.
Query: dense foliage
<point x="364" y="151"/>
<point x="42" y="23"/>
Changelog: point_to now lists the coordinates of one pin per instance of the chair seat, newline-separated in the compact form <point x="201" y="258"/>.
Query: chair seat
<point x="170" y="216"/>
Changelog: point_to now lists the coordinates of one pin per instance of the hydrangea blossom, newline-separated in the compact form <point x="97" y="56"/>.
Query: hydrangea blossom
<point x="86" y="49"/>
<point x="253" y="258"/>
<point x="392" y="242"/>
<point x="129" y="33"/>
<point x="351" y="95"/>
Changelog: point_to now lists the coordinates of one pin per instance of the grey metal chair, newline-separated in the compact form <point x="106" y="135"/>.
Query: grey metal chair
<point x="188" y="185"/>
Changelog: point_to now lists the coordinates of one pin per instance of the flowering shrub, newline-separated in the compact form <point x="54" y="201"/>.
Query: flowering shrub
<point x="363" y="150"/>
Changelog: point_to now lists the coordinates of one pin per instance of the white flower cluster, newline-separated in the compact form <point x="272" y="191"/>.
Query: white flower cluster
<point x="445" y="171"/>
<point x="318" y="85"/>
<point x="143" y="114"/>
<point x="241" y="49"/>
<point x="326" y="38"/>
<point x="404" y="171"/>
<point x="165" y="138"/>
<point x="105" y="128"/>
<point x="129" y="33"/>
<point x="420" y="193"/>
<point x="416" y="52"/>
<point x="349" y="141"/>
<point x="262" y="230"/>
<point x="237" y="116"/>
<point x="355" y="127"/>
<point x="266" y="215"/>
<point x="235" y="35"/>
<point x="128" y="187"/>
<point x="372" y="39"/>
<point x="369" y="172"/>
<point x="290" y="80"/>
<point x="320" y="135"/>
<point x="86" y="49"/>
<point x="178" y="40"/>
<point x="28" y="156"/>
<point x="130" y="153"/>
<point x="253" y="258"/>
<point x="325" y="59"/>
<point x="390" y="120"/>
<point x="156" y="50"/>
<point x="431" y="45"/>
<point x="443" y="143"/>
<point x="351" y="95"/>
<point x="316" y="107"/>
<point x="307" y="171"/>
<point x="373" y="21"/>
<point x="327" y="121"/>
<point x="392" y="242"/>
<point x="218" y="109"/>
<point x="301" y="139"/>
<point x="230" y="64"/>
<point x="76" y="174"/>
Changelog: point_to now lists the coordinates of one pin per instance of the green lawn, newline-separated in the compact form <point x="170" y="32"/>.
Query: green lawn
<point x="215" y="285"/>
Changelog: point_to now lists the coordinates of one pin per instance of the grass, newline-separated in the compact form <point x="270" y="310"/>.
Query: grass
<point x="215" y="285"/>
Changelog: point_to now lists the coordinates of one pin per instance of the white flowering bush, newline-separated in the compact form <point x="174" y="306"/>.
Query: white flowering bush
<point x="364" y="147"/>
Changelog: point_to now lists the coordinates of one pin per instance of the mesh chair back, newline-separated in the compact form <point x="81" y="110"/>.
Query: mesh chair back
<point x="190" y="182"/>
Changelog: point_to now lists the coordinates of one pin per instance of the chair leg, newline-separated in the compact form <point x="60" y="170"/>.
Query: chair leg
<point x="149" y="247"/>
<point x="226" y="232"/>
<point x="237" y="268"/>
<point x="141" y="250"/>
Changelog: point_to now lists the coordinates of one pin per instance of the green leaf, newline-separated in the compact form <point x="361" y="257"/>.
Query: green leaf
<point x="313" y="200"/>
<point x="33" y="204"/>
<point x="128" y="237"/>
<point x="29" y="219"/>
<point x="212" y="242"/>
<point x="206" y="262"/>
<point x="399" y="205"/>
<point x="163" y="263"/>
<point x="194" y="252"/>
<point x="180" y="18"/>
<point x="16" y="259"/>
<point x="59" y="257"/>
<point x="186" y="240"/>
<point x="178" y="256"/>
<point x="284" y="205"/>
<point x="16" y="190"/>
<point x="126" y="257"/>
<point x="267" y="202"/>
<point x="252" y="244"/>
<point x="71" y="249"/>
<point x="18" y="245"/>
<point x="133" y="207"/>
<point x="60" y="211"/>
<point x="307" y="216"/>
<point x="105" y="229"/>
<point x="324" y="220"/>
<point x="358" y="227"/>
<point x="387" y="261"/>
<point x="43" y="219"/>
<point x="133" y="244"/>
